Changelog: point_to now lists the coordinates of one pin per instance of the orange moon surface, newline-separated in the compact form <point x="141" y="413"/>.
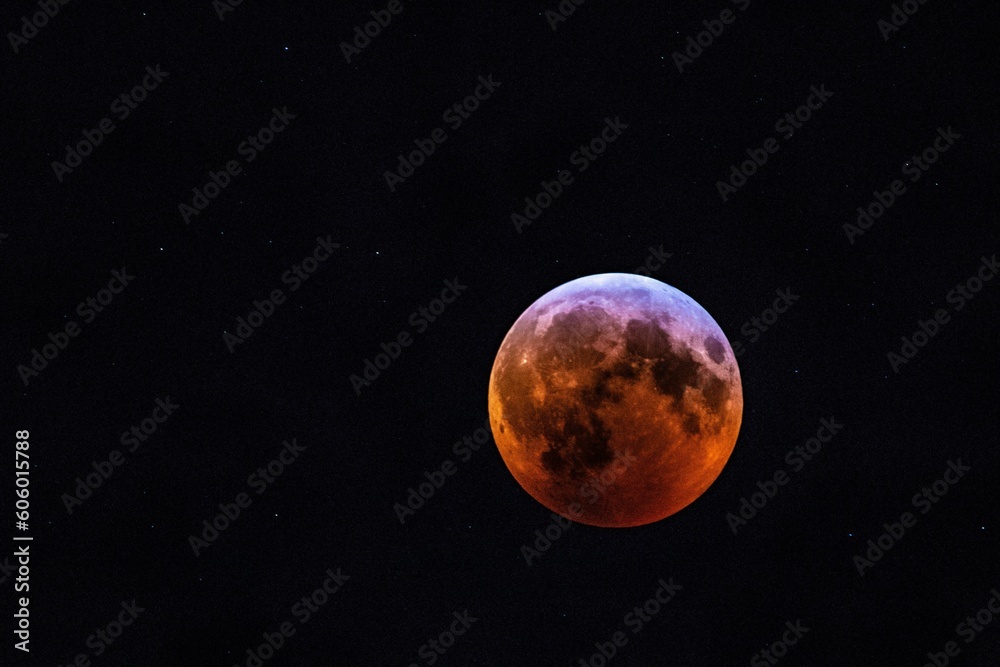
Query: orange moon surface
<point x="615" y="400"/>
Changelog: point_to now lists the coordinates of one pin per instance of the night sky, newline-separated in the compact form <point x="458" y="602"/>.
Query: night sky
<point x="219" y="213"/>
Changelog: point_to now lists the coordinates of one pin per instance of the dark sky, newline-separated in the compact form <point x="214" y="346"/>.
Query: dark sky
<point x="123" y="223"/>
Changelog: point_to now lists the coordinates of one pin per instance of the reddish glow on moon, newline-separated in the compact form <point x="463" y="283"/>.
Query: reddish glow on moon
<point x="615" y="400"/>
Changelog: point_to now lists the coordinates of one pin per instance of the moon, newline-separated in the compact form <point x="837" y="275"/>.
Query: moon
<point x="615" y="400"/>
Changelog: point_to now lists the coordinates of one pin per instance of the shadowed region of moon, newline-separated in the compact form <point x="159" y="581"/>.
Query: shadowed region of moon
<point x="615" y="400"/>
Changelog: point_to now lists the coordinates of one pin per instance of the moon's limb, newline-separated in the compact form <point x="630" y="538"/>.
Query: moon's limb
<point x="615" y="400"/>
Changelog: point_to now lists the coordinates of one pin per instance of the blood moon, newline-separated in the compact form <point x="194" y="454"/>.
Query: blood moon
<point x="615" y="400"/>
